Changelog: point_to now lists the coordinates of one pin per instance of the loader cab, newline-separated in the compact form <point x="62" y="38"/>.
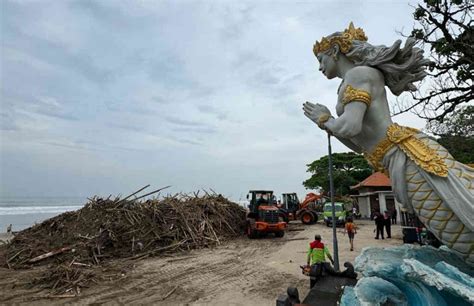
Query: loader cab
<point x="263" y="206"/>
<point x="290" y="202"/>
<point x="260" y="198"/>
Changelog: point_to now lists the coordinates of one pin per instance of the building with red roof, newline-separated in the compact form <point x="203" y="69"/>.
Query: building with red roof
<point x="375" y="194"/>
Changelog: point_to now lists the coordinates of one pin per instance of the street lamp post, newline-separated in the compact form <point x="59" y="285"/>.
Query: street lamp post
<point x="331" y="188"/>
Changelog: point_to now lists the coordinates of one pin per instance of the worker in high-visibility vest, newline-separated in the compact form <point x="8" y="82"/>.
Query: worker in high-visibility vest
<point x="316" y="258"/>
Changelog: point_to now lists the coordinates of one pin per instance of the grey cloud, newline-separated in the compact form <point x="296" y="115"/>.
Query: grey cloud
<point x="7" y="122"/>
<point x="85" y="145"/>
<point x="208" y="109"/>
<point x="199" y="130"/>
<point x="17" y="106"/>
<point x="236" y="21"/>
<point x="51" y="108"/>
<point x="265" y="76"/>
<point x="112" y="15"/>
<point x="179" y="121"/>
<point x="169" y="72"/>
<point x="54" y="54"/>
<point x="260" y="71"/>
<point x="202" y="91"/>
<point x="161" y="100"/>
<point x="295" y="78"/>
<point x="63" y="145"/>
<point x="68" y="117"/>
<point x="126" y="126"/>
<point x="249" y="59"/>
<point x="187" y="141"/>
<point x="131" y="107"/>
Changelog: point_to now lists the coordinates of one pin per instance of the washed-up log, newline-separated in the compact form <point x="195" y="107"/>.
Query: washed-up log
<point x="296" y="229"/>
<point x="169" y="293"/>
<point x="49" y="254"/>
<point x="293" y="239"/>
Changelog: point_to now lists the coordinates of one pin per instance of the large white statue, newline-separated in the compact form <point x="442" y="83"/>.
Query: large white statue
<point x="425" y="177"/>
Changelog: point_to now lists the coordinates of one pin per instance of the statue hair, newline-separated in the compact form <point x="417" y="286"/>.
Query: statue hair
<point x="400" y="67"/>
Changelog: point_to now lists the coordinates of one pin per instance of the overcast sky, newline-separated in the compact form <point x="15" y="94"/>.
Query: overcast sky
<point x="104" y="97"/>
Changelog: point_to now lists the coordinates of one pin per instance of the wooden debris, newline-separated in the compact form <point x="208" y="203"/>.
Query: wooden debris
<point x="293" y="239"/>
<point x="59" y="296"/>
<point x="49" y="254"/>
<point x="169" y="293"/>
<point x="296" y="229"/>
<point x="107" y="229"/>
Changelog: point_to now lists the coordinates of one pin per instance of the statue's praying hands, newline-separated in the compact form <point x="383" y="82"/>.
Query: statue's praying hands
<point x="318" y="113"/>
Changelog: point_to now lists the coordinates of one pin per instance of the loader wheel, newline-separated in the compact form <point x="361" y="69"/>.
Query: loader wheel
<point x="251" y="232"/>
<point x="284" y="218"/>
<point x="280" y="234"/>
<point x="307" y="218"/>
<point x="315" y="217"/>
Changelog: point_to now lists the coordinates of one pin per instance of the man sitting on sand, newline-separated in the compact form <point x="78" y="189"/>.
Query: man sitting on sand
<point x="317" y="253"/>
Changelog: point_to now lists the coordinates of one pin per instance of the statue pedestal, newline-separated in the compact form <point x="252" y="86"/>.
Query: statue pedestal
<point x="411" y="275"/>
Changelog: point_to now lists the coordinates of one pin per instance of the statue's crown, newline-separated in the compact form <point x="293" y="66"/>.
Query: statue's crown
<point x="344" y="40"/>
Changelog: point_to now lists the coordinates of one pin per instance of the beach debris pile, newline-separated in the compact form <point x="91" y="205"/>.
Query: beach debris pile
<point x="73" y="243"/>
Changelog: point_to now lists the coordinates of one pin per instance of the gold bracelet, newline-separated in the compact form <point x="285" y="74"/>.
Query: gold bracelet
<point x="323" y="119"/>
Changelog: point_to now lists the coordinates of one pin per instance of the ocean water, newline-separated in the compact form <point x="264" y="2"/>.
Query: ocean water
<point x="23" y="212"/>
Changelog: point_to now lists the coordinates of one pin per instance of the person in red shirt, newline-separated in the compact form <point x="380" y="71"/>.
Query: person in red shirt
<point x="317" y="254"/>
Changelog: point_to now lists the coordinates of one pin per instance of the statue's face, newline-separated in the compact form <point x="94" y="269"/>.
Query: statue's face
<point x="327" y="65"/>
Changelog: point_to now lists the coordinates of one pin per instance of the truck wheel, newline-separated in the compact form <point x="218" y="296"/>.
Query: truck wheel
<point x="307" y="218"/>
<point x="280" y="234"/>
<point x="327" y="223"/>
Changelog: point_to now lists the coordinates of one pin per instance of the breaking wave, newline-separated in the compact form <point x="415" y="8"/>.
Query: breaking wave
<point x="24" y="210"/>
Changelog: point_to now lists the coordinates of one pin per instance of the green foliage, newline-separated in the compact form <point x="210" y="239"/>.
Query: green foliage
<point x="348" y="169"/>
<point x="460" y="123"/>
<point x="461" y="148"/>
<point x="456" y="134"/>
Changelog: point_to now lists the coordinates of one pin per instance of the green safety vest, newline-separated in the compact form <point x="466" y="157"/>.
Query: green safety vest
<point x="318" y="252"/>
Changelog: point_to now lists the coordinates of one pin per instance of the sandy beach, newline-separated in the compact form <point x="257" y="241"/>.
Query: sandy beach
<point x="238" y="272"/>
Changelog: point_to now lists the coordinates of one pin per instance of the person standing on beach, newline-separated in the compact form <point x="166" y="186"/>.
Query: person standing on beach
<point x="351" y="230"/>
<point x="387" y="223"/>
<point x="379" y="223"/>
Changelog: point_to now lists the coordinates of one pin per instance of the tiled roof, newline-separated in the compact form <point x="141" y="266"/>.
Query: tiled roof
<point x="378" y="179"/>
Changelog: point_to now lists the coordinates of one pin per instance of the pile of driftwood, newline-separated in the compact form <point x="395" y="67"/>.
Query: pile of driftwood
<point x="106" y="229"/>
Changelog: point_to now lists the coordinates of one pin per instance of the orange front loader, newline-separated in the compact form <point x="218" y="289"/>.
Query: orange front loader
<point x="305" y="211"/>
<point x="264" y="217"/>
